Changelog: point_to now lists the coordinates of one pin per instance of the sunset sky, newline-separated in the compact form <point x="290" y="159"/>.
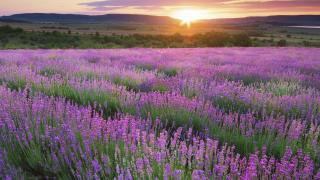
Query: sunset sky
<point x="208" y="8"/>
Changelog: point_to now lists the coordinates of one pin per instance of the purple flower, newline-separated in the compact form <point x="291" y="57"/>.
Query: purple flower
<point x="251" y="170"/>
<point x="198" y="175"/>
<point x="139" y="165"/>
<point x="96" y="166"/>
<point x="177" y="174"/>
<point x="167" y="171"/>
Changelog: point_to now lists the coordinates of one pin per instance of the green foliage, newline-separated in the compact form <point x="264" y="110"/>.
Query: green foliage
<point x="174" y="117"/>
<point x="12" y="38"/>
<point x="160" y="88"/>
<point x="169" y="72"/>
<point x="16" y="84"/>
<point x="49" y="72"/>
<point x="144" y="67"/>
<point x="129" y="83"/>
<point x="17" y="38"/>
<point x="102" y="101"/>
<point x="282" y="43"/>
<point x="190" y="93"/>
<point x="9" y="31"/>
<point x="231" y="105"/>
<point x="242" y="40"/>
<point x="280" y="88"/>
<point x="87" y="75"/>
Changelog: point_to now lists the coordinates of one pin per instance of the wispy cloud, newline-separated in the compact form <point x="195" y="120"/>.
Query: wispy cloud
<point x="285" y="4"/>
<point x="153" y="3"/>
<point x="236" y="6"/>
<point x="217" y="8"/>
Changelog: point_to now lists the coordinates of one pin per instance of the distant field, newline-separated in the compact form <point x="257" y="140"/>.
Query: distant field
<point x="18" y="38"/>
<point x="293" y="35"/>
<point x="260" y="34"/>
<point x="108" y="29"/>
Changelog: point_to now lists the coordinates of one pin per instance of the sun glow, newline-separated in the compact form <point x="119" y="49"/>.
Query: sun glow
<point x="188" y="16"/>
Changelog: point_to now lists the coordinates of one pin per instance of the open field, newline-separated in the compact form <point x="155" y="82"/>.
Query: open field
<point x="206" y="113"/>
<point x="261" y="34"/>
<point x="113" y="28"/>
<point x="17" y="38"/>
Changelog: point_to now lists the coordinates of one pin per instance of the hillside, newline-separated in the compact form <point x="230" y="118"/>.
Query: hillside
<point x="78" y="18"/>
<point x="311" y="20"/>
<point x="295" y="20"/>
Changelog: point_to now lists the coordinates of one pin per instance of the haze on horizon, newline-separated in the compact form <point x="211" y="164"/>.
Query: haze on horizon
<point x="208" y="8"/>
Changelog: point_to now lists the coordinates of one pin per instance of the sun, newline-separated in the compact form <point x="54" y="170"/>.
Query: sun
<point x="188" y="16"/>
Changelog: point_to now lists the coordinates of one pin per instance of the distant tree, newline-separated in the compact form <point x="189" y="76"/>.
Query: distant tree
<point x="242" y="40"/>
<point x="306" y="43"/>
<point x="177" y="37"/>
<point x="214" y="39"/>
<point x="9" y="30"/>
<point x="55" y="33"/>
<point x="4" y="41"/>
<point x="282" y="43"/>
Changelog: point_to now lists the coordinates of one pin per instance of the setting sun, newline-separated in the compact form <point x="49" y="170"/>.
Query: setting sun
<point x="187" y="16"/>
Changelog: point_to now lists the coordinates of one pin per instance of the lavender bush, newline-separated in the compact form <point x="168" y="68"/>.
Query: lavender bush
<point x="168" y="114"/>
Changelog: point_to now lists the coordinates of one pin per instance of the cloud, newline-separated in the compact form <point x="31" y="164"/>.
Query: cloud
<point x="278" y="3"/>
<point x="156" y="7"/>
<point x="126" y="3"/>
<point x="107" y="8"/>
<point x="236" y="7"/>
<point x="153" y="3"/>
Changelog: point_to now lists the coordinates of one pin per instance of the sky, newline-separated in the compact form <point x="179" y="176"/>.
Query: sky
<point x="208" y="8"/>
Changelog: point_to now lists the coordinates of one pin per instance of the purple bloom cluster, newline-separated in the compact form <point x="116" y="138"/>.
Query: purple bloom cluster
<point x="248" y="113"/>
<point x="73" y="137"/>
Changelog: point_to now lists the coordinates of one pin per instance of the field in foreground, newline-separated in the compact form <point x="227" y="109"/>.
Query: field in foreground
<point x="249" y="113"/>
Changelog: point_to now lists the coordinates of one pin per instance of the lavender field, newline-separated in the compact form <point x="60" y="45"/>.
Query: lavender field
<point x="220" y="113"/>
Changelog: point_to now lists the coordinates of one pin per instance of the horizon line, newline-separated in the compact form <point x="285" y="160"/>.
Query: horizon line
<point x="157" y="15"/>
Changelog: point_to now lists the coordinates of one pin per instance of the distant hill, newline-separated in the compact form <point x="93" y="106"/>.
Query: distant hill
<point x="77" y="18"/>
<point x="289" y="20"/>
<point x="299" y="20"/>
<point x="6" y="20"/>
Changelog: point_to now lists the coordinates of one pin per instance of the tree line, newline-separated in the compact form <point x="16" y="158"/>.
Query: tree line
<point x="14" y="38"/>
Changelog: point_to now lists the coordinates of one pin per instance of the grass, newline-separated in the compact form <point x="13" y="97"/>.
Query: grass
<point x="49" y="72"/>
<point x="16" y="84"/>
<point x="102" y="101"/>
<point x="280" y="88"/>
<point x="87" y="76"/>
<point x="189" y="93"/>
<point x="128" y="82"/>
<point x="168" y="72"/>
<point x="231" y="105"/>
<point x="144" y="67"/>
<point x="173" y="117"/>
<point x="160" y="88"/>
